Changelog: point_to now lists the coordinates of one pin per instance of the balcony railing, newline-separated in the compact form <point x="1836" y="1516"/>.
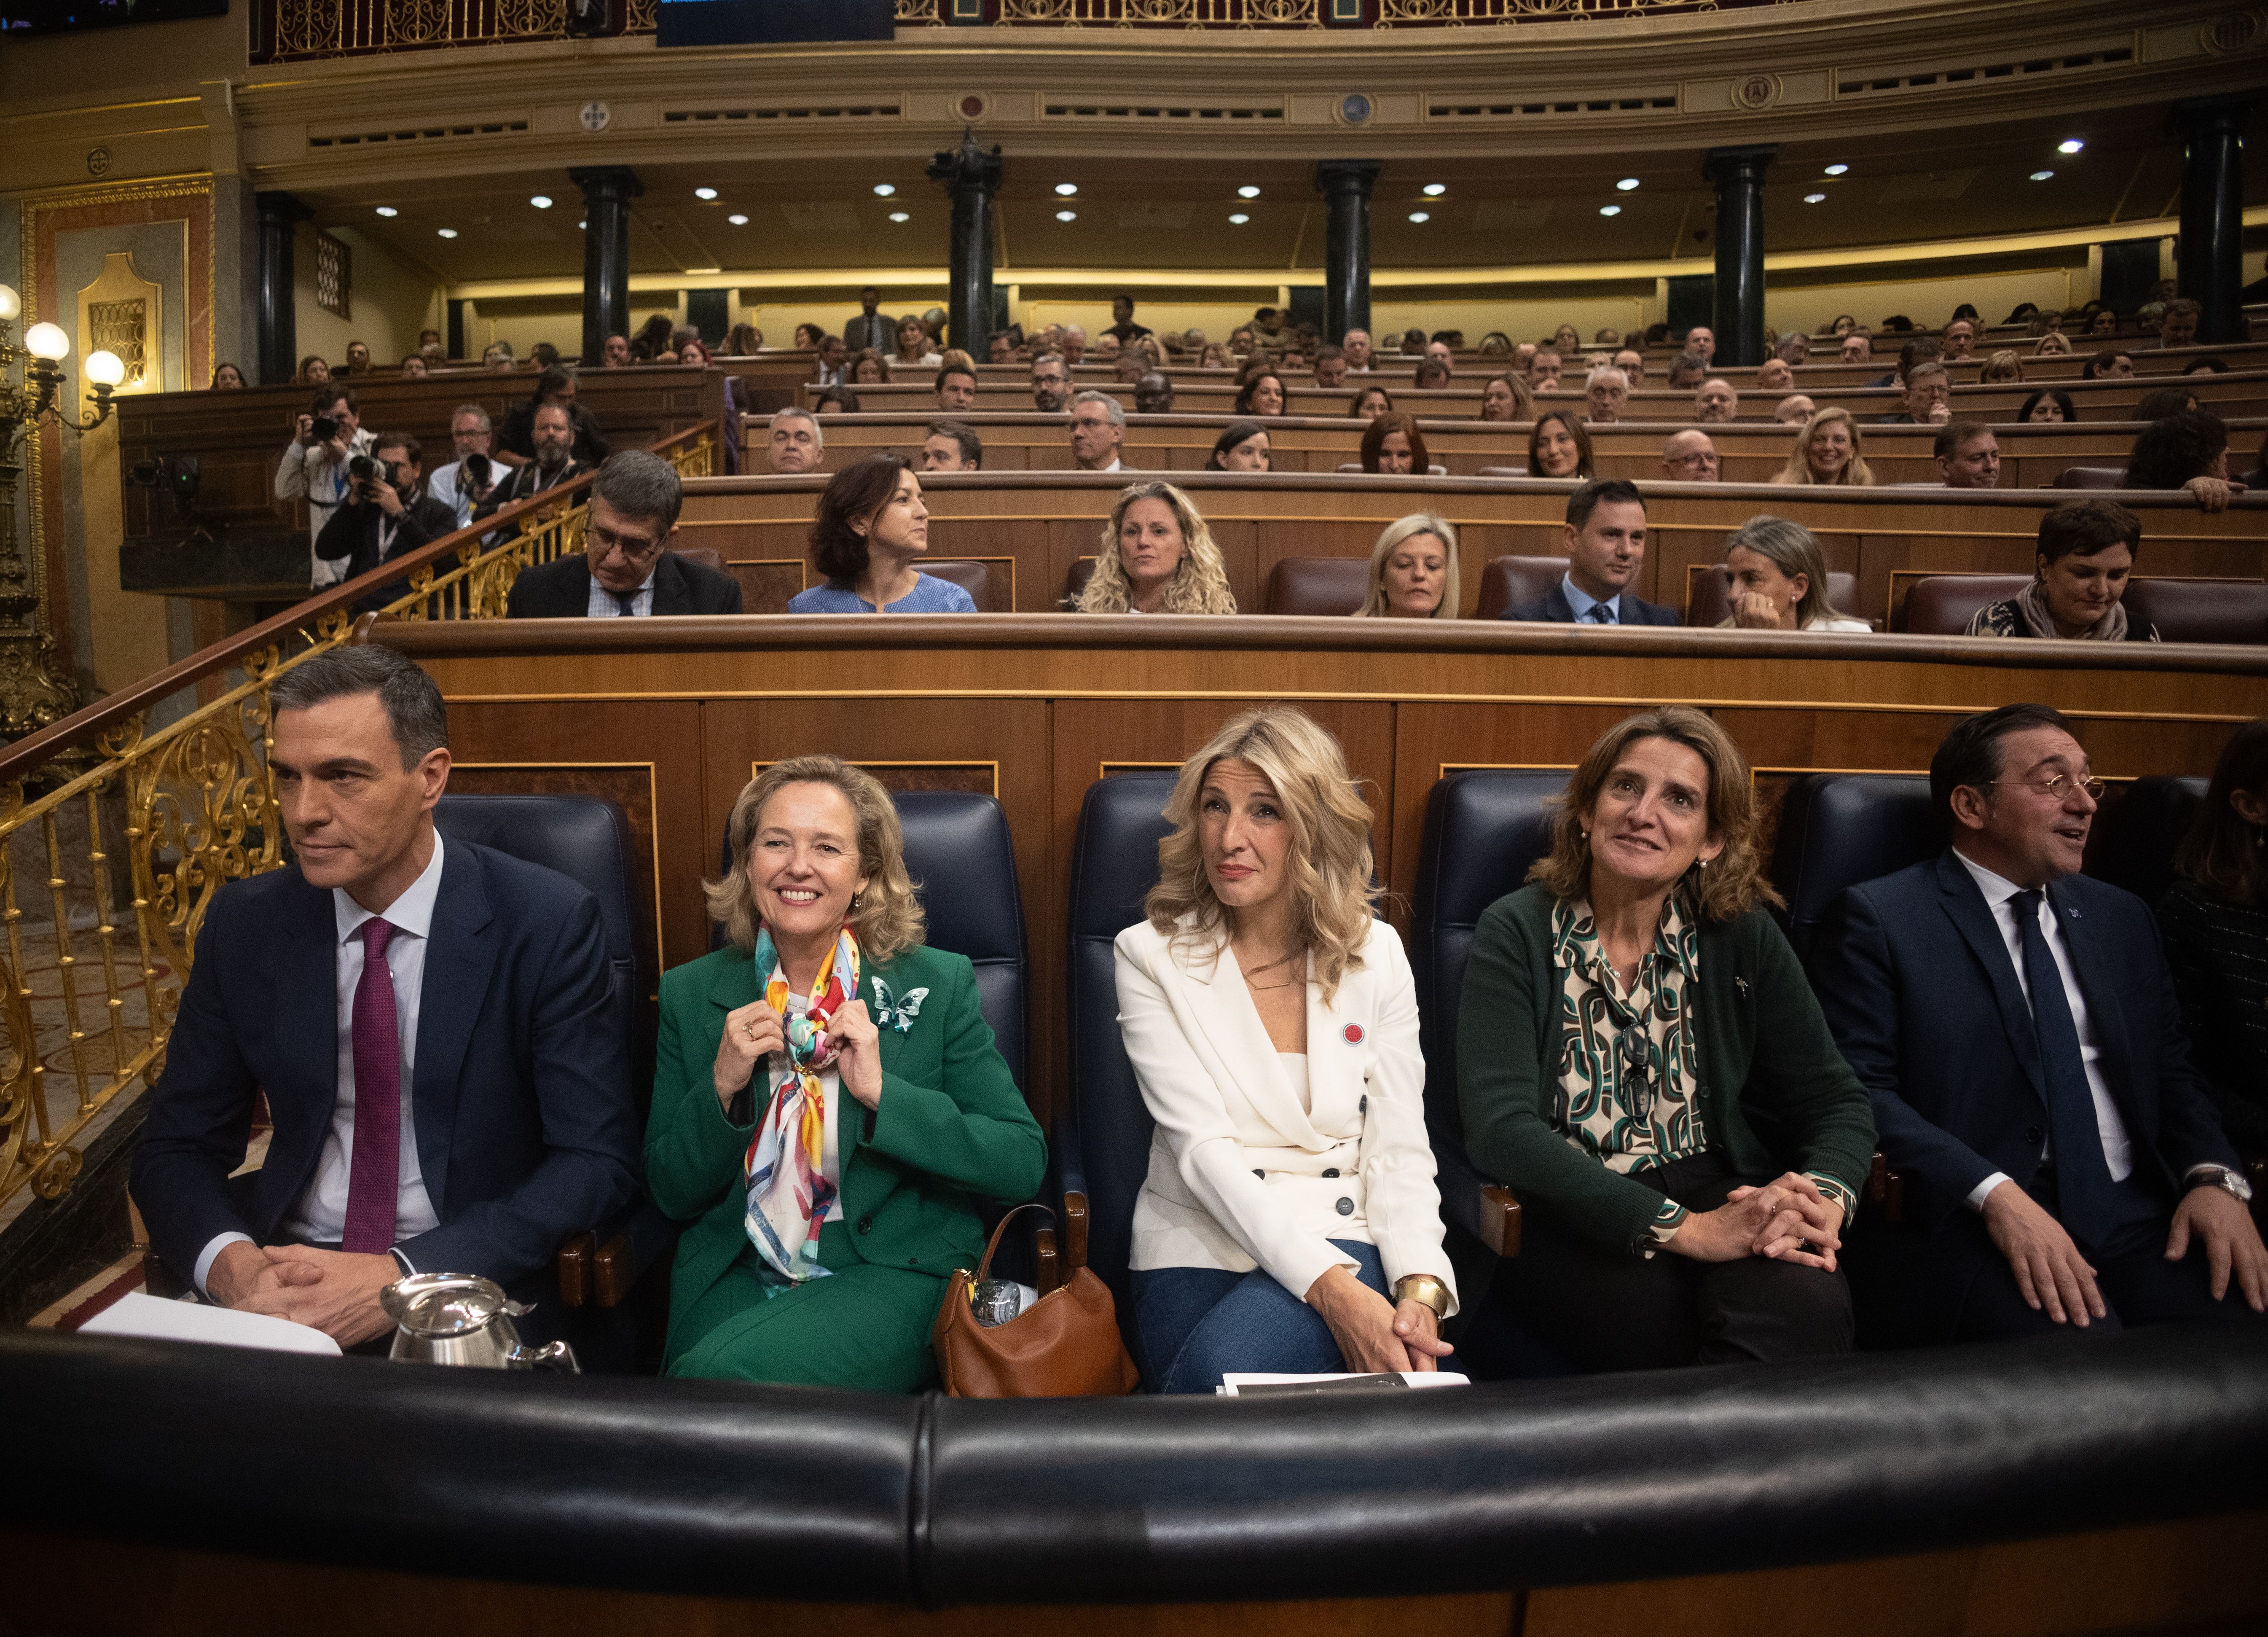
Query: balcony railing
<point x="101" y="813"/>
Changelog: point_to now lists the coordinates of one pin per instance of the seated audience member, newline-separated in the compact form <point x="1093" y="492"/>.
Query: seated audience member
<point x="1000" y="348"/>
<point x="1413" y="571"/>
<point x="1928" y="397"/>
<point x="2179" y="325"/>
<point x="1794" y="410"/>
<point x="2188" y="449"/>
<point x="1544" y="370"/>
<point x="227" y="376"/>
<point x="1242" y="446"/>
<point x="1157" y="557"/>
<point x="1330" y="367"/>
<point x="1559" y="446"/>
<point x="1122" y="328"/>
<point x="1393" y="445"/>
<point x="553" y="436"/>
<point x="2110" y="366"/>
<point x="1701" y="343"/>
<point x="952" y="447"/>
<point x="870" y="530"/>
<point x="385" y="514"/>
<point x="820" y="1235"/>
<point x="2257" y="478"/>
<point x="1153" y="394"/>
<point x="1105" y="350"/>
<point x="1968" y="455"/>
<point x="868" y="369"/>
<point x="496" y="359"/>
<point x="1439" y="350"/>
<point x="2215" y="923"/>
<point x="1242" y="342"/>
<point x="794" y="443"/>
<point x="1844" y="324"/>
<point x="913" y="349"/>
<point x="827" y="362"/>
<point x="2087" y="552"/>
<point x="1606" y="393"/>
<point x="1959" y="340"/>
<point x="1567" y="339"/>
<point x="357" y="358"/>
<point x="2054" y="344"/>
<point x="1639" y="1057"/>
<point x="1130" y="367"/>
<point x="1215" y="356"/>
<point x="315" y="467"/>
<point x="2003" y="368"/>
<point x="694" y="351"/>
<point x="465" y="482"/>
<point x="1290" y="1221"/>
<point x="1773" y="375"/>
<point x="2206" y="366"/>
<point x="743" y="341"/>
<point x="1356" y="345"/>
<point x="2156" y="406"/>
<point x="653" y="345"/>
<point x="1857" y="349"/>
<point x="1690" y="457"/>
<point x="1050" y="384"/>
<point x="544" y="356"/>
<point x="1632" y="363"/>
<point x="1605" y="543"/>
<point x="1432" y="376"/>
<point x="808" y="337"/>
<point x="1827" y="452"/>
<point x="514" y="439"/>
<point x="626" y="568"/>
<point x="1495" y="344"/>
<point x="1921" y="349"/>
<point x="429" y="342"/>
<point x="2049" y="404"/>
<point x="955" y="387"/>
<point x="337" y="987"/>
<point x="1098" y="433"/>
<point x="1793" y="349"/>
<point x="1715" y="403"/>
<point x="1523" y="359"/>
<point x="1370" y="403"/>
<point x="1779" y="581"/>
<point x="1506" y="398"/>
<point x="413" y="367"/>
<point x="835" y="400"/>
<point x="2018" y="1029"/>
<point x="1074" y="344"/>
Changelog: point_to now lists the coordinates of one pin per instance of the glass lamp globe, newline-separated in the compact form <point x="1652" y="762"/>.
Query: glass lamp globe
<point x="105" y="369"/>
<point x="47" y="341"/>
<point x="10" y="304"/>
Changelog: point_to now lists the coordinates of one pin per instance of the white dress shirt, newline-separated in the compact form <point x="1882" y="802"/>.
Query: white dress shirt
<point x="604" y="606"/>
<point x="443" y="486"/>
<point x="320" y="1215"/>
<point x="306" y="472"/>
<point x="1999" y="897"/>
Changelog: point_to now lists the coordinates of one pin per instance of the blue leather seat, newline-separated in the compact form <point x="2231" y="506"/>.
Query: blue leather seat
<point x="1838" y="830"/>
<point x="1102" y="1147"/>
<point x="2133" y="842"/>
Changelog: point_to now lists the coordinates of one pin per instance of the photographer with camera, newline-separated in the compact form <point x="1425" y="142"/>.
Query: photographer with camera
<point x="314" y="464"/>
<point x="386" y="514"/>
<point x="467" y="480"/>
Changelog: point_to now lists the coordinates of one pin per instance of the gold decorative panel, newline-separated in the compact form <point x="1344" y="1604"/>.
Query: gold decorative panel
<point x="334" y="276"/>
<point x="123" y="313"/>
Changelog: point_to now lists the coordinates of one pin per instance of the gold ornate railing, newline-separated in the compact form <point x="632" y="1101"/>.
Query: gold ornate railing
<point x="106" y="872"/>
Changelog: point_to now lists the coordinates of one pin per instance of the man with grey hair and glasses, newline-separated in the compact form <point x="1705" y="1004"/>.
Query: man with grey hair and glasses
<point x="627" y="569"/>
<point x="1098" y="433"/>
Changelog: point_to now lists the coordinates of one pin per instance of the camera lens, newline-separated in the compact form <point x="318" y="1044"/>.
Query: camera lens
<point x="363" y="469"/>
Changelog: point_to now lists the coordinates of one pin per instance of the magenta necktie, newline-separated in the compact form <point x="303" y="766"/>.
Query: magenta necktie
<point x="374" y="1184"/>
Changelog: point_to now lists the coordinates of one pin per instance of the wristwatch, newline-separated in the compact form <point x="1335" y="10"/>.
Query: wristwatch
<point x="1422" y="1288"/>
<point x="2222" y="1177"/>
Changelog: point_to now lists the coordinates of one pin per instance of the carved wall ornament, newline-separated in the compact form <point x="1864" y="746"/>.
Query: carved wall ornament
<point x="123" y="313"/>
<point x="98" y="162"/>
<point x="2238" y="31"/>
<point x="1756" y="91"/>
<point x="595" y="116"/>
<point x="1355" y="108"/>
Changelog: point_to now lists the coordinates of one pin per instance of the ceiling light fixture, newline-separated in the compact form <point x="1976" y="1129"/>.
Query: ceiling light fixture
<point x="585" y="225"/>
<point x="704" y="193"/>
<point x="2072" y="145"/>
<point x="1814" y="198"/>
<point x="1837" y="170"/>
<point x="1421" y="216"/>
<point x="883" y="190"/>
<point x="1628" y="184"/>
<point x="737" y="221"/>
<point x="1240" y="218"/>
<point x="1247" y="192"/>
<point x="1434" y="190"/>
<point x="1066" y="189"/>
<point x="448" y="232"/>
<point x="1066" y="216"/>
<point x="387" y="210"/>
<point x="900" y="216"/>
<point x="1610" y="210"/>
<point x="541" y="201"/>
<point x="2040" y="176"/>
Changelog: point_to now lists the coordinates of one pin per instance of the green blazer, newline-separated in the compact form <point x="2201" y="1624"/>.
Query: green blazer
<point x="1775" y="1093"/>
<point x="951" y="1123"/>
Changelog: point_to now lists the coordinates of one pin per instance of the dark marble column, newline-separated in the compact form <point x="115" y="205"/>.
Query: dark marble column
<point x="1346" y="183"/>
<point x="972" y="176"/>
<point x="278" y="322"/>
<point x="2212" y="213"/>
<point x="1739" y="174"/>
<point x="607" y="190"/>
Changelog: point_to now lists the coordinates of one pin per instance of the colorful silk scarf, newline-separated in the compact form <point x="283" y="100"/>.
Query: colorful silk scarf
<point x="789" y="1195"/>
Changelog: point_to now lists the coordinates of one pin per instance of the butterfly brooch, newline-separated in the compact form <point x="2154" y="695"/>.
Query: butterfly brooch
<point x="901" y="1012"/>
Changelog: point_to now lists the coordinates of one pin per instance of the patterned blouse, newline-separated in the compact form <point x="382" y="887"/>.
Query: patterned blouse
<point x="1629" y="1071"/>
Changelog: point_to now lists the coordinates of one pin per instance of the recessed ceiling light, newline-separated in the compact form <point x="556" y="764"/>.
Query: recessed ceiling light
<point x="1066" y="189"/>
<point x="2073" y="146"/>
<point x="1627" y="184"/>
<point x="541" y="201"/>
<point x="1610" y="210"/>
<point x="1066" y="216"/>
<point x="1421" y="216"/>
<point x="885" y="189"/>
<point x="448" y="232"/>
<point x="1837" y="170"/>
<point x="1814" y="198"/>
<point x="1434" y="190"/>
<point x="2040" y="176"/>
<point x="1247" y="192"/>
<point x="704" y="193"/>
<point x="737" y="221"/>
<point x="387" y="210"/>
<point x="900" y="216"/>
<point x="1240" y="218"/>
<point x="704" y="269"/>
<point x="585" y="225"/>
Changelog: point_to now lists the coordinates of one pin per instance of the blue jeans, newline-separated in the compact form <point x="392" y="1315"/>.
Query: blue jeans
<point x="1196" y="1325"/>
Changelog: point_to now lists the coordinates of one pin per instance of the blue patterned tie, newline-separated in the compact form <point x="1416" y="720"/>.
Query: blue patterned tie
<point x="2084" y="1188"/>
<point x="1601" y="613"/>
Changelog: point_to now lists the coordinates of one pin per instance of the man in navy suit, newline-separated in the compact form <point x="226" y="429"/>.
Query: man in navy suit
<point x="2018" y="1029"/>
<point x="448" y="1088"/>
<point x="627" y="569"/>
<point x="1605" y="543"/>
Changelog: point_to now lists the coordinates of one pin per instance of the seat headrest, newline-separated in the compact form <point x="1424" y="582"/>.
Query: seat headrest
<point x="2201" y="610"/>
<point x="2091" y="477"/>
<point x="1838" y="830"/>
<point x="583" y="837"/>
<point x="1121" y="823"/>
<point x="1508" y="581"/>
<point x="1317" y="585"/>
<point x="1942" y="605"/>
<point x="961" y="858"/>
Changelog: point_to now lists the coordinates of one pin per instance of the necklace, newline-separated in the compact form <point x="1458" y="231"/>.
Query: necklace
<point x="1271" y="966"/>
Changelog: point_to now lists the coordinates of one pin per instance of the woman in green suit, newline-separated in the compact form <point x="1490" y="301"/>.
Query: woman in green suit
<point x="827" y="1103"/>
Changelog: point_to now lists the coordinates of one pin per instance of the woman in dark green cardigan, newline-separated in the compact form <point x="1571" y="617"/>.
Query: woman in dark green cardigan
<point x="1640" y="1059"/>
<point x="827" y="1103"/>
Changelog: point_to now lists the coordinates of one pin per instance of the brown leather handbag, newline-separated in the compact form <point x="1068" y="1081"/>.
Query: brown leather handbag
<point x="1064" y="1345"/>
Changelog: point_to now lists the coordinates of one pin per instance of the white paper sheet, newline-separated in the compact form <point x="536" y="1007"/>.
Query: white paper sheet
<point x="1233" y="1384"/>
<point x="139" y="1315"/>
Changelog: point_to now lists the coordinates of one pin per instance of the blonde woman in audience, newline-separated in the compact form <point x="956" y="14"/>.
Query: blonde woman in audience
<point x="868" y="369"/>
<point x="2054" y="344"/>
<point x="1157" y="558"/>
<point x="1290" y="1221"/>
<point x="1566" y="340"/>
<point x="2002" y="368"/>
<point x="1779" y="581"/>
<point x="1413" y="571"/>
<point x="1558" y="446"/>
<point x="1827" y="452"/>
<point x="913" y="351"/>
<point x="1370" y="403"/>
<point x="1506" y="398"/>
<point x="1216" y="358"/>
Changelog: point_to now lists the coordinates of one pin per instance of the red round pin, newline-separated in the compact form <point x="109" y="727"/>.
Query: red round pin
<point x="1353" y="1034"/>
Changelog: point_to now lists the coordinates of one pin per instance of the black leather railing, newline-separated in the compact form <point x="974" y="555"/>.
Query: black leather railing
<point x="710" y="1488"/>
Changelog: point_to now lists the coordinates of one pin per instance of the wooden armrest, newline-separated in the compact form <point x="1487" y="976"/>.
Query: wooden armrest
<point x="1074" y="1231"/>
<point x="1500" y="1219"/>
<point x="576" y="1273"/>
<point x="1886" y="1189"/>
<point x="614" y="1271"/>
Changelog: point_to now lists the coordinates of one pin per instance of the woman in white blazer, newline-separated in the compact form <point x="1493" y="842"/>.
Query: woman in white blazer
<point x="1273" y="1026"/>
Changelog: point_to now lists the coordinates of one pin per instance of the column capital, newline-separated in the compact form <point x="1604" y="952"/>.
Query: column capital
<point x="2201" y="116"/>
<point x="967" y="168"/>
<point x="616" y="182"/>
<point x="1340" y="176"/>
<point x="1748" y="163"/>
<point x="281" y="207"/>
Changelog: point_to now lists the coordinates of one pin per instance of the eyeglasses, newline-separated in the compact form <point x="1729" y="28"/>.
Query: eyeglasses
<point x="1634" y="1058"/>
<point x="633" y="548"/>
<point x="2057" y="788"/>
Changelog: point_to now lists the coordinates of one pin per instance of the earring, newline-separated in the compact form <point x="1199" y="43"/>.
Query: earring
<point x="855" y="899"/>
